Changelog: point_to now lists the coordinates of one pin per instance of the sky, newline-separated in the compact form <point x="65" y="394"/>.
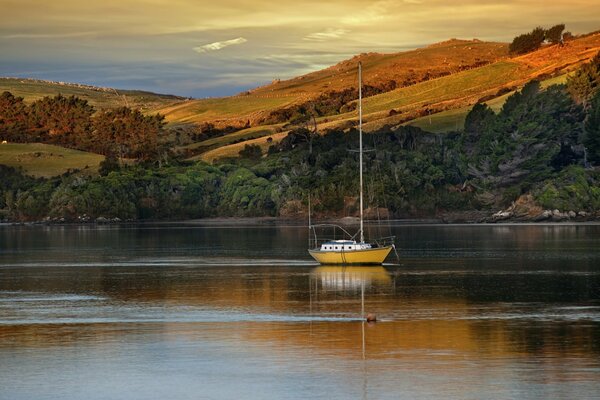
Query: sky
<point x="201" y="48"/>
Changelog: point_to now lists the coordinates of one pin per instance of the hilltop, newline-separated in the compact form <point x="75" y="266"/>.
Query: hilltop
<point x="100" y="97"/>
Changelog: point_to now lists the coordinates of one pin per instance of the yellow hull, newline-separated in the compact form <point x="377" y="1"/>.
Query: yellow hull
<point x="374" y="256"/>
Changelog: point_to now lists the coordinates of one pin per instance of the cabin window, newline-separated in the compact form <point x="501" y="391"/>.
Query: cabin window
<point x="348" y="247"/>
<point x="336" y="247"/>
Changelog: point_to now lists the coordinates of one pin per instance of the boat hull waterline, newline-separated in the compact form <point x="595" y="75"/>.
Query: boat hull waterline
<point x="373" y="256"/>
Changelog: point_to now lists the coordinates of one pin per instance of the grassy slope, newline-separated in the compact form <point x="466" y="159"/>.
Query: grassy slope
<point x="232" y="150"/>
<point x="455" y="93"/>
<point x="449" y="56"/>
<point x="446" y="57"/>
<point x="450" y="120"/>
<point x="243" y="135"/>
<point x="44" y="160"/>
<point x="236" y="110"/>
<point x="466" y="82"/>
<point x="32" y="90"/>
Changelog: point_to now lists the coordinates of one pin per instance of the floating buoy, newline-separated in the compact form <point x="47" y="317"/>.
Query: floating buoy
<point x="371" y="318"/>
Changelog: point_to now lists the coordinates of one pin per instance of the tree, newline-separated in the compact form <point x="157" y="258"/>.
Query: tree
<point x="127" y="133"/>
<point x="62" y="120"/>
<point x="528" y="42"/>
<point x="554" y="34"/>
<point x="585" y="82"/>
<point x="477" y="120"/>
<point x="591" y="138"/>
<point x="13" y="118"/>
<point x="251" y="151"/>
<point x="535" y="134"/>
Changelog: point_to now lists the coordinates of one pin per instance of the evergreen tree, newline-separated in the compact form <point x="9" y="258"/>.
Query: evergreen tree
<point x="585" y="82"/>
<point x="477" y="120"/>
<point x="554" y="34"/>
<point x="124" y="132"/>
<point x="527" y="42"/>
<point x="591" y="138"/>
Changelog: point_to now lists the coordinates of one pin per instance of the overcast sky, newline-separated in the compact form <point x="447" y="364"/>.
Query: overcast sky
<point x="221" y="47"/>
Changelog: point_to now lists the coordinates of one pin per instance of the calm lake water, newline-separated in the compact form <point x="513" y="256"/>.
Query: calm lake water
<point x="241" y="312"/>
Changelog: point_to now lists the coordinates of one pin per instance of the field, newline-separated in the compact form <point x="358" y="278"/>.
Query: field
<point x="31" y="90"/>
<point x="44" y="160"/>
<point x="235" y="111"/>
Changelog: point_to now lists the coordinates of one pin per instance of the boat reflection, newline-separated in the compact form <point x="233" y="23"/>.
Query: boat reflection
<point x="351" y="279"/>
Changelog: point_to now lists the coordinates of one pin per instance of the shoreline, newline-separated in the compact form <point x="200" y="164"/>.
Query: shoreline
<point x="272" y="221"/>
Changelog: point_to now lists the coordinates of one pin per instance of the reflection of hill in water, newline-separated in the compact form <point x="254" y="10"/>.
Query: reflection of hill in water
<point x="351" y="279"/>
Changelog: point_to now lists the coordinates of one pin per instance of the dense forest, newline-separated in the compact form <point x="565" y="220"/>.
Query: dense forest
<point x="540" y="152"/>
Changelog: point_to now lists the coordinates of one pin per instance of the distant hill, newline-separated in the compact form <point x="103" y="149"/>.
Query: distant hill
<point x="99" y="97"/>
<point x="445" y="78"/>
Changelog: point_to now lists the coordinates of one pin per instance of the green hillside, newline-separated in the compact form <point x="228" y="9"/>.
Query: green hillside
<point x="44" y="160"/>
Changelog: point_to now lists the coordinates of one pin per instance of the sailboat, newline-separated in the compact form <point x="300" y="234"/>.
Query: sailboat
<point x="353" y="249"/>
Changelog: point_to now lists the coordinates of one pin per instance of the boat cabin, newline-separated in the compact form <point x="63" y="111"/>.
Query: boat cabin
<point x="344" y="245"/>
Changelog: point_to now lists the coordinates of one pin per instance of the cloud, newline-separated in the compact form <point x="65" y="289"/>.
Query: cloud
<point x="48" y="35"/>
<point x="219" y="45"/>
<point x="330" y="33"/>
<point x="370" y="14"/>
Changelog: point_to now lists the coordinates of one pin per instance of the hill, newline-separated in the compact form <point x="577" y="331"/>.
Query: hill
<point x="382" y="71"/>
<point x="450" y="78"/>
<point x="99" y="97"/>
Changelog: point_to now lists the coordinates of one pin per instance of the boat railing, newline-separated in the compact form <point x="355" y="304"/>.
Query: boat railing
<point x="323" y="233"/>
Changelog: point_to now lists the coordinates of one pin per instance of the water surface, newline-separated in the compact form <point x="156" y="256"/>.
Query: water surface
<point x="230" y="312"/>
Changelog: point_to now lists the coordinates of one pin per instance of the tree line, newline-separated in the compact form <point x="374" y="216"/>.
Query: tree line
<point x="543" y="143"/>
<point x="74" y="123"/>
<point x="528" y="42"/>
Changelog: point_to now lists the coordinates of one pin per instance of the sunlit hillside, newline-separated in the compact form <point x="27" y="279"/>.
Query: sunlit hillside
<point x="34" y="89"/>
<point x="435" y="88"/>
<point x="45" y="160"/>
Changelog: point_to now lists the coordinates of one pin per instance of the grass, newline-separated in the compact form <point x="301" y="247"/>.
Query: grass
<point x="447" y="56"/>
<point x="232" y="150"/>
<point x="238" y="109"/>
<point x="243" y="135"/>
<point x="469" y="83"/>
<point x="44" y="160"/>
<point x="452" y="120"/>
<point x="32" y="90"/>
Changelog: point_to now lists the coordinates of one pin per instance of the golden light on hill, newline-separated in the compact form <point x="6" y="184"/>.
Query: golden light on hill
<point x="206" y="48"/>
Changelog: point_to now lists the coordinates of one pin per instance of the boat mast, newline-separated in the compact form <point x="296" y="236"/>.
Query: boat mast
<point x="362" y="236"/>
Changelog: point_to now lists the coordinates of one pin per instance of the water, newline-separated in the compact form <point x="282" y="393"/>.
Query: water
<point x="241" y="312"/>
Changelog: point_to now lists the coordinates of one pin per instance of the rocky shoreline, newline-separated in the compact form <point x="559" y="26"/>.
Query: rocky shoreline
<point x="524" y="209"/>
